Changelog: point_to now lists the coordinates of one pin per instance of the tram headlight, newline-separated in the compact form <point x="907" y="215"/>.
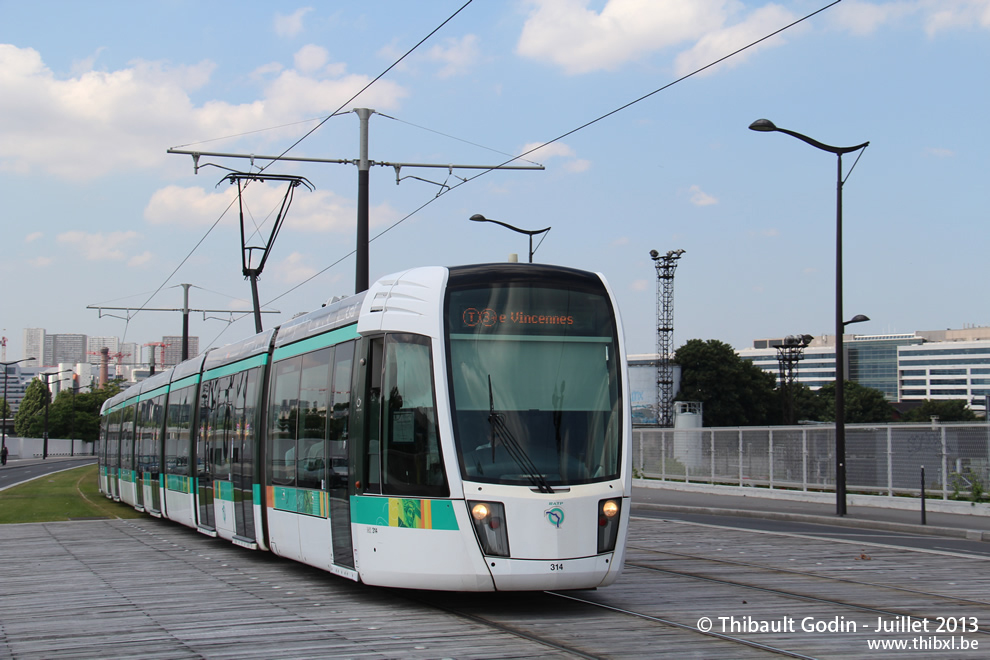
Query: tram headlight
<point x="608" y="524"/>
<point x="489" y="527"/>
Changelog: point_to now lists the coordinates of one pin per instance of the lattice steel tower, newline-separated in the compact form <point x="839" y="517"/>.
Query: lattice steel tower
<point x="789" y="352"/>
<point x="665" y="265"/>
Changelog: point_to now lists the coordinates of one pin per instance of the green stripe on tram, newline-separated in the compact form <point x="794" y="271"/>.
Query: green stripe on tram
<point x="331" y="338"/>
<point x="158" y="391"/>
<point x="301" y="500"/>
<point x="178" y="483"/>
<point x="236" y="367"/>
<point x="223" y="490"/>
<point x="403" y="512"/>
<point x="185" y="382"/>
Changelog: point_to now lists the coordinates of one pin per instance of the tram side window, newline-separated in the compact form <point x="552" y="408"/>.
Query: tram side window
<point x="216" y="427"/>
<point x="283" y="419"/>
<point x="243" y="402"/>
<point x="412" y="460"/>
<point x="314" y="396"/>
<point x="179" y="430"/>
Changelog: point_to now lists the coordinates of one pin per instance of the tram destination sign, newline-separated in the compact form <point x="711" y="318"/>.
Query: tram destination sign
<point x="528" y="311"/>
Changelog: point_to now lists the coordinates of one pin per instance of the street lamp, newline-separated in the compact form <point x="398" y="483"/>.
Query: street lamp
<point x="477" y="217"/>
<point x="767" y="126"/>
<point x="3" y="441"/>
<point x="48" y="393"/>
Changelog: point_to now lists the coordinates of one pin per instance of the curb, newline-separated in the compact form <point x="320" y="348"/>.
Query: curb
<point x="925" y="530"/>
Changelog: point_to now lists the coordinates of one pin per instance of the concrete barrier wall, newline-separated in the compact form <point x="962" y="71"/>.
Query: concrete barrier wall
<point x="35" y="447"/>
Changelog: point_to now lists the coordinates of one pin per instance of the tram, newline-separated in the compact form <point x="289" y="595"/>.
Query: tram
<point x="462" y="429"/>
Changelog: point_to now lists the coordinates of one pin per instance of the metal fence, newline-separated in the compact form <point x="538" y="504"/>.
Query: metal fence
<point x="884" y="459"/>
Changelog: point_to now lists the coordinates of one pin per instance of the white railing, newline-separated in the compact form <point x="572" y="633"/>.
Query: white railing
<point x="880" y="459"/>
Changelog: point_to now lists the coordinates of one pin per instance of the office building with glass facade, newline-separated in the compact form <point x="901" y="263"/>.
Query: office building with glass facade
<point x="944" y="364"/>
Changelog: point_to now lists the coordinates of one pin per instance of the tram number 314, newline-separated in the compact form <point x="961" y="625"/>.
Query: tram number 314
<point x="556" y="567"/>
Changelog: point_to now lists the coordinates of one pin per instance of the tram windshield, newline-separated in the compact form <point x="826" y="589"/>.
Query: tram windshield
<point x="535" y="384"/>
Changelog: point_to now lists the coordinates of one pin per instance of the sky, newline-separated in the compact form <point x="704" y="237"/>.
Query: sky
<point x="642" y="152"/>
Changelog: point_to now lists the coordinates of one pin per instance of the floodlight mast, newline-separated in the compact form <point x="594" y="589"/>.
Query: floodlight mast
<point x="665" y="265"/>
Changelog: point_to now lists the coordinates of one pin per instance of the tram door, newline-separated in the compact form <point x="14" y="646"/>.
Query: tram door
<point x="339" y="474"/>
<point x="128" y="463"/>
<point x="244" y="396"/>
<point x="204" y="465"/>
<point x="113" y="455"/>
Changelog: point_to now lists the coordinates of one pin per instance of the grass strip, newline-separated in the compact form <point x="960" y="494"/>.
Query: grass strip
<point x="71" y="494"/>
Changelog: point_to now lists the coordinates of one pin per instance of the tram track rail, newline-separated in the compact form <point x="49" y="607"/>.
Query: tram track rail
<point x="872" y="609"/>
<point x="557" y="642"/>
<point x="871" y="585"/>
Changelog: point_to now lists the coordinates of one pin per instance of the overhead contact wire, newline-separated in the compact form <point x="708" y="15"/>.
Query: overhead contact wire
<point x="297" y="142"/>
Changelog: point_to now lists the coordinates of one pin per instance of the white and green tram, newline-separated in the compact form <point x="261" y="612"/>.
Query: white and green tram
<point x="462" y="428"/>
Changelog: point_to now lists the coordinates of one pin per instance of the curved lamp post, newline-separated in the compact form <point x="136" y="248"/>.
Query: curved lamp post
<point x="3" y="441"/>
<point x="477" y="217"/>
<point x="767" y="126"/>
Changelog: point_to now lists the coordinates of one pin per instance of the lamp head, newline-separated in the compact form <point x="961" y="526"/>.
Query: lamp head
<point x="477" y="217"/>
<point x="763" y="126"/>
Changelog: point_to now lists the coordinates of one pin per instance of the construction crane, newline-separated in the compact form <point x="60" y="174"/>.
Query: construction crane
<point x="163" y="347"/>
<point x="104" y="362"/>
<point x="665" y="265"/>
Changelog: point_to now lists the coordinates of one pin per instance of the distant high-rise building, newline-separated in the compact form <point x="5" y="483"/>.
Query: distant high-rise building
<point x="70" y="349"/>
<point x="131" y="352"/>
<point x="34" y="345"/>
<point x="173" y="349"/>
<point x="94" y="344"/>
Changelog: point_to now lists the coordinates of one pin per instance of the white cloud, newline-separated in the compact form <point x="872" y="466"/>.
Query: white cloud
<point x="944" y="15"/>
<point x="456" y="55"/>
<point x="140" y="259"/>
<point x="718" y="43"/>
<point x="293" y="269"/>
<point x="580" y="40"/>
<point x="700" y="197"/>
<point x="311" y="58"/>
<point x="291" y="25"/>
<point x="864" y="18"/>
<point x="938" y="152"/>
<point x="546" y="152"/>
<point x="82" y="66"/>
<point x="99" y="122"/>
<point x="640" y="285"/>
<point x="99" y="246"/>
<point x="319" y="211"/>
<point x="41" y="262"/>
<point x="189" y="207"/>
<point x="33" y="236"/>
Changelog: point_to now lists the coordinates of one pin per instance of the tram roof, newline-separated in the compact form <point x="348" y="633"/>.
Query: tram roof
<point x="334" y="315"/>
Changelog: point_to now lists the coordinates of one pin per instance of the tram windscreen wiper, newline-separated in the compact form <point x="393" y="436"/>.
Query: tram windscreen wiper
<point x="501" y="432"/>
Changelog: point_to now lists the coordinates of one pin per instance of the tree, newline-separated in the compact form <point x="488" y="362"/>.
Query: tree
<point x="30" y="419"/>
<point x="77" y="415"/>
<point x="69" y="415"/>
<point x="952" y="410"/>
<point x="4" y="408"/>
<point x="808" y="406"/>
<point x="733" y="391"/>
<point x="862" y="405"/>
